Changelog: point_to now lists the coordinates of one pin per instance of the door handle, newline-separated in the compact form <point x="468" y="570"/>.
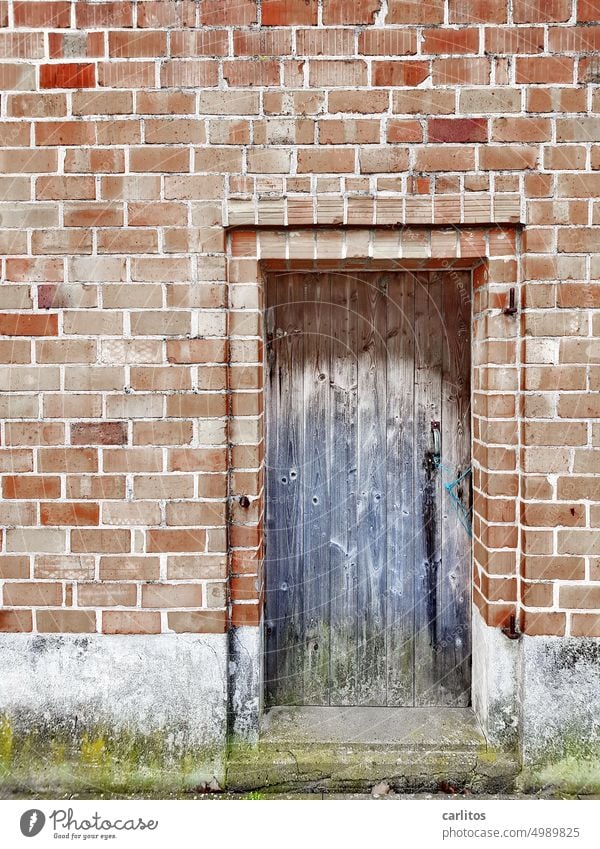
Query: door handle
<point x="436" y="436"/>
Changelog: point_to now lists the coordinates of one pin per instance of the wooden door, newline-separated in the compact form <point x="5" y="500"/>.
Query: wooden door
<point x="368" y="566"/>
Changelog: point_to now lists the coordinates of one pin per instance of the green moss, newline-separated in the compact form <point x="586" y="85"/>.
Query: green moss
<point x="487" y="755"/>
<point x="97" y="760"/>
<point x="570" y="776"/>
<point x="568" y="764"/>
<point x="6" y="742"/>
<point x="93" y="752"/>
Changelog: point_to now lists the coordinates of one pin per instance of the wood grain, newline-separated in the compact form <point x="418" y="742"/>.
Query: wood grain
<point x="368" y="565"/>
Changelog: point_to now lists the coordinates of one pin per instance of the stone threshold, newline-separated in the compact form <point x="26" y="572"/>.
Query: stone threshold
<point x="426" y="749"/>
<point x="441" y="727"/>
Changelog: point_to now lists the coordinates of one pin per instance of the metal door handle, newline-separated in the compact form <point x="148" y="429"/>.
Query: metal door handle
<point x="437" y="439"/>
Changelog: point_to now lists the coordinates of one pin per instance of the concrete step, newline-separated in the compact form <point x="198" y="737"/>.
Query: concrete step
<point x="353" y="748"/>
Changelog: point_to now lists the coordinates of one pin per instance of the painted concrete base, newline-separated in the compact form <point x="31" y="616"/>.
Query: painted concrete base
<point x="540" y="696"/>
<point x="560" y="703"/>
<point x="495" y="678"/>
<point x="132" y="715"/>
<point x="113" y="711"/>
<point x="245" y="682"/>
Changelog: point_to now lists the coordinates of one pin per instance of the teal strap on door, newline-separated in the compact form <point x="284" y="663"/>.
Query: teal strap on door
<point x="464" y="515"/>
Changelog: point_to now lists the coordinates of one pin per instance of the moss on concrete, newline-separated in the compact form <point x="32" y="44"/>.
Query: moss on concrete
<point x="102" y="761"/>
<point x="571" y="776"/>
<point x="64" y="759"/>
<point x="569" y="765"/>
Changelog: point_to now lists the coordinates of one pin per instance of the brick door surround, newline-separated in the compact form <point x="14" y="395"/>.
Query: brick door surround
<point x="491" y="251"/>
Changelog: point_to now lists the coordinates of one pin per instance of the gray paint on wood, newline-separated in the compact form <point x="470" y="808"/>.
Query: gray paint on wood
<point x="371" y="489"/>
<point x="367" y="566"/>
<point x="400" y="459"/>
<point x="343" y="482"/>
<point x="428" y="553"/>
<point x="285" y="449"/>
<point x="455" y="596"/>
<point x="317" y="505"/>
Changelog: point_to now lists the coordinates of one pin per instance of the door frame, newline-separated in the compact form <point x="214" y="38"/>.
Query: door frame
<point x="491" y="254"/>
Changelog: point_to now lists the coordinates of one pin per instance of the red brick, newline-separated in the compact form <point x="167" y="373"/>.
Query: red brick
<point x="404" y="131"/>
<point x="400" y="73"/>
<point x="544" y="69"/>
<point x="62" y="45"/>
<point x="505" y="41"/>
<point x="104" y="433"/>
<point x="193" y="539"/>
<point x="66" y="621"/>
<point x="426" y="12"/>
<point x="461" y="71"/>
<point x="477" y="11"/>
<point x="250" y="72"/>
<point x="457" y="129"/>
<point x="197" y="43"/>
<point x="197" y="350"/>
<point x="31" y="486"/>
<point x="543" y="624"/>
<point x="588" y="10"/>
<point x="128" y="74"/>
<point x="325" y="160"/>
<point x="198" y="621"/>
<point x="15" y="620"/>
<point x="541" y="11"/>
<point x="14" y="567"/>
<point x="109" y="15"/>
<point x="136" y="44"/>
<point x="14" y="324"/>
<point x="37" y="105"/>
<point x="65" y="133"/>
<point x="349" y="11"/>
<point x="275" y="42"/>
<point x="51" y="14"/>
<point x="33" y="594"/>
<point x="117" y="541"/>
<point x="68" y="75"/>
<point x="289" y="12"/>
<point x="455" y="158"/>
<point x="585" y="624"/>
<point x="106" y="595"/>
<point x="130" y="622"/>
<point x="507" y="157"/>
<point x="387" y="42"/>
<point x="442" y="41"/>
<point x="69" y="513"/>
<point x="521" y="129"/>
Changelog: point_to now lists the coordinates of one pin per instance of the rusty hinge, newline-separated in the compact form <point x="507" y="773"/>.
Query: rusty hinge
<point x="511" y="630"/>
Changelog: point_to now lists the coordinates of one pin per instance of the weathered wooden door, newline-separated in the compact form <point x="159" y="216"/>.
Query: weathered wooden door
<point x="368" y="566"/>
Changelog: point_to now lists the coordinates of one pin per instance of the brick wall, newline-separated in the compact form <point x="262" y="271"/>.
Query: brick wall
<point x="131" y="349"/>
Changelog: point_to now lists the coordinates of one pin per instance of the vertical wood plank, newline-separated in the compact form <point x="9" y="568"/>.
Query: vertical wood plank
<point x="371" y="492"/>
<point x="428" y="554"/>
<point x="343" y="479"/>
<point x="271" y="496"/>
<point x="400" y="507"/>
<point x="454" y="602"/>
<point x="284" y="556"/>
<point x="317" y="506"/>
